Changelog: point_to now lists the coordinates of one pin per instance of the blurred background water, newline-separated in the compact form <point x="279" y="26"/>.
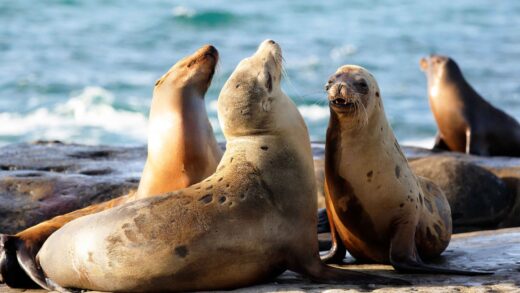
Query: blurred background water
<point x="83" y="71"/>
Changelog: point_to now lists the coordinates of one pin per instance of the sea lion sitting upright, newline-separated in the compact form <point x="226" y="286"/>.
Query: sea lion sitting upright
<point x="467" y="123"/>
<point x="182" y="150"/>
<point x="378" y="209"/>
<point x="248" y="222"/>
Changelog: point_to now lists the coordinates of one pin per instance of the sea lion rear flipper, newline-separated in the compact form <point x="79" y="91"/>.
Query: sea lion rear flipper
<point x="421" y="268"/>
<point x="11" y="273"/>
<point x="319" y="272"/>
<point x="29" y="265"/>
<point x="404" y="258"/>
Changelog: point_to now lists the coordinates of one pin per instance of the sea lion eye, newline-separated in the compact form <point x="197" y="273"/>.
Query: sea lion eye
<point x="361" y="85"/>
<point x="269" y="83"/>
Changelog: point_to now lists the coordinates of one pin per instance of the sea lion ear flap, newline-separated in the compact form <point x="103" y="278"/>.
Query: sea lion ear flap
<point x="423" y="63"/>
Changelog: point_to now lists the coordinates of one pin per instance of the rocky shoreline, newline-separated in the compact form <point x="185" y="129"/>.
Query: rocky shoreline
<point x="46" y="178"/>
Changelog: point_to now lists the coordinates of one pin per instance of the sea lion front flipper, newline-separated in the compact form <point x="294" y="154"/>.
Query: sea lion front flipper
<point x="337" y="252"/>
<point x="404" y="257"/>
<point x="440" y="144"/>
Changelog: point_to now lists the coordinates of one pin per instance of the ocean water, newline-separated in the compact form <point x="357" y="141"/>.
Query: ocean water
<point x="83" y="71"/>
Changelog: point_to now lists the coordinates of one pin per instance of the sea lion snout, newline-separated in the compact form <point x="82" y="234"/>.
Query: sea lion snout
<point x="433" y="62"/>
<point x="209" y="51"/>
<point x="345" y="90"/>
<point x="270" y="47"/>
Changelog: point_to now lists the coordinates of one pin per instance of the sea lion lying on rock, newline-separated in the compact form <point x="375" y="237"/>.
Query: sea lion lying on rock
<point x="242" y="225"/>
<point x="182" y="150"/>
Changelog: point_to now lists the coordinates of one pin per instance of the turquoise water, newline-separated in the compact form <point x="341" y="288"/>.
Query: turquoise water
<point x="83" y="71"/>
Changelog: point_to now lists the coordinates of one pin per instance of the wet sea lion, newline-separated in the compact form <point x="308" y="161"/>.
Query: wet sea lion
<point x="182" y="150"/>
<point x="242" y="225"/>
<point x="378" y="209"/>
<point x="467" y="123"/>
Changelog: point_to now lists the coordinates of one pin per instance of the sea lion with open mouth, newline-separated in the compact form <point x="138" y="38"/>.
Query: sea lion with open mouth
<point x="248" y="222"/>
<point x="378" y="209"/>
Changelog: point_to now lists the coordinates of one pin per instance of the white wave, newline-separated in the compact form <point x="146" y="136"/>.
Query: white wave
<point x="421" y="142"/>
<point x="91" y="109"/>
<point x="183" y="11"/>
<point x="339" y="53"/>
<point x="314" y="113"/>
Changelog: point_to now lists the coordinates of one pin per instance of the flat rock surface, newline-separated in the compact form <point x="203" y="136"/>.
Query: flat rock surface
<point x="42" y="179"/>
<point x="496" y="250"/>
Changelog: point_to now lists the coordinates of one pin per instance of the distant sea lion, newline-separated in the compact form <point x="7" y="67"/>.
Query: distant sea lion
<point x="242" y="225"/>
<point x="378" y="209"/>
<point x="467" y="123"/>
<point x="182" y="150"/>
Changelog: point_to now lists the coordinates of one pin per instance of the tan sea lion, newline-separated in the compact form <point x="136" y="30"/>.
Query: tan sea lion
<point x="378" y="209"/>
<point x="251" y="220"/>
<point x="467" y="123"/>
<point x="182" y="150"/>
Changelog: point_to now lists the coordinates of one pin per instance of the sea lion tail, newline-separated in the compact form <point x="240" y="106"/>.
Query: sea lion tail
<point x="11" y="273"/>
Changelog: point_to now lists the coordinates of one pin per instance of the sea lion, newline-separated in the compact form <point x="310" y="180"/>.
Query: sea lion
<point x="378" y="209"/>
<point x="242" y="225"/>
<point x="182" y="150"/>
<point x="467" y="123"/>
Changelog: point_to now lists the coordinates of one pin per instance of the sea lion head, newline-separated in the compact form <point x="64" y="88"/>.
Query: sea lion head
<point x="192" y="73"/>
<point x="251" y="98"/>
<point x="353" y="93"/>
<point x="438" y="67"/>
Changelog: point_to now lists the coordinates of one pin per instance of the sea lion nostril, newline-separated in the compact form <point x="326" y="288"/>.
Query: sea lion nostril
<point x="271" y="42"/>
<point x="211" y="51"/>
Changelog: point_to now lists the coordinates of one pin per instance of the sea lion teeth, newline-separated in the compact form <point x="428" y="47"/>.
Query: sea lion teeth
<point x="248" y="222"/>
<point x="377" y="208"/>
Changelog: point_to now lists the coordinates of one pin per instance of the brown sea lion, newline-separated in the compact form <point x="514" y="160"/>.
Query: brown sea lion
<point x="243" y="225"/>
<point x="467" y="123"/>
<point x="182" y="150"/>
<point x="378" y="209"/>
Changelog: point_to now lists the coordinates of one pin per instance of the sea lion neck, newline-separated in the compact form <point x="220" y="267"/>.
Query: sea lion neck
<point x="354" y="131"/>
